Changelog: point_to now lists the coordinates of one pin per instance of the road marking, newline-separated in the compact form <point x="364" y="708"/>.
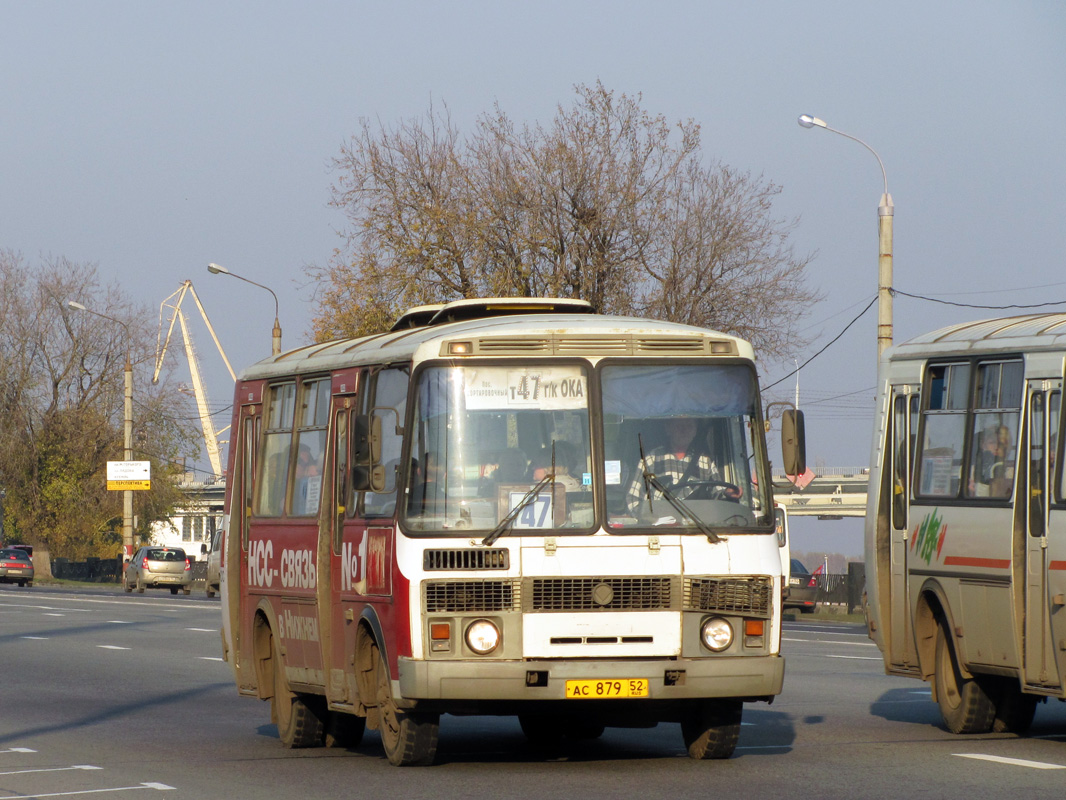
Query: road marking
<point x="36" y="638"/>
<point x="210" y="658"/>
<point x="160" y="786"/>
<point x="856" y="658"/>
<point x="48" y="614"/>
<point x="203" y="630"/>
<point x="50" y="769"/>
<point x="118" y="622"/>
<point x="1017" y="762"/>
<point x="111" y="647"/>
<point x="18" y="750"/>
<point x="829" y="641"/>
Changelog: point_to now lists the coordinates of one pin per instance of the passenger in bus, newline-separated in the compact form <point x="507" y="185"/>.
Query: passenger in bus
<point x="992" y="471"/>
<point x="684" y="459"/>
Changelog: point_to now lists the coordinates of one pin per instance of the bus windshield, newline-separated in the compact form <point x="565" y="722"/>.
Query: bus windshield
<point x="681" y="447"/>
<point x="511" y="446"/>
<point x="485" y="436"/>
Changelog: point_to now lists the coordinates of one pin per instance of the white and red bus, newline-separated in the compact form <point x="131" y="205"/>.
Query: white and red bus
<point x="460" y="516"/>
<point x="966" y="519"/>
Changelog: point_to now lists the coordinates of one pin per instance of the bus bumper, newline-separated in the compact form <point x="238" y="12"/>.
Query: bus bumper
<point x="755" y="678"/>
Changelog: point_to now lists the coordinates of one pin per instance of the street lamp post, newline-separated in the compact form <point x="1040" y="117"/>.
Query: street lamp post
<point x="884" y="250"/>
<point x="127" y="433"/>
<point x="216" y="269"/>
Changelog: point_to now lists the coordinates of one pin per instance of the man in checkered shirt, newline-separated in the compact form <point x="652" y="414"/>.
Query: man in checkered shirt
<point x="672" y="464"/>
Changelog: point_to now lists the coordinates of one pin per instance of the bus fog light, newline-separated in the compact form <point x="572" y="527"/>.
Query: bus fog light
<point x="716" y="633"/>
<point x="482" y="637"/>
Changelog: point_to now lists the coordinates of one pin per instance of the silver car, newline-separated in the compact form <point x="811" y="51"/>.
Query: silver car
<point x="157" y="567"/>
<point x="16" y="567"/>
<point x="214" y="560"/>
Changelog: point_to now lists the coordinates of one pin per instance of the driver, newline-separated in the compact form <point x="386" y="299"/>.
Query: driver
<point x="681" y="460"/>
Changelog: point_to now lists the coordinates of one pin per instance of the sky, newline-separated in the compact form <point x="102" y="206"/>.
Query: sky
<point x="152" y="138"/>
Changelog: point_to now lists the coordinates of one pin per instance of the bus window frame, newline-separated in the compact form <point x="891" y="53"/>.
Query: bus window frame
<point x="969" y="415"/>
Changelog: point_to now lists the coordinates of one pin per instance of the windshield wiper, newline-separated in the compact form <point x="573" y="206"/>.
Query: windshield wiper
<point x="651" y="482"/>
<point x="520" y="506"/>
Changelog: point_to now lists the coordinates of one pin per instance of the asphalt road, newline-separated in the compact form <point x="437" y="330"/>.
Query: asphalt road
<point x="107" y="694"/>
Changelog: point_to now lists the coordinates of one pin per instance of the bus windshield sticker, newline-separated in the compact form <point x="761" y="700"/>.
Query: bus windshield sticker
<point x="548" y="388"/>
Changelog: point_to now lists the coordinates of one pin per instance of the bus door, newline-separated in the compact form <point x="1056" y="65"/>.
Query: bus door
<point x="1044" y="549"/>
<point x="899" y="464"/>
<point x="364" y="518"/>
<point x="234" y="564"/>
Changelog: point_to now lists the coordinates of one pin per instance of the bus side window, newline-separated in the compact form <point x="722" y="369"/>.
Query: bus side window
<point x="944" y="430"/>
<point x="900" y="461"/>
<point x="277" y="446"/>
<point x="388" y="403"/>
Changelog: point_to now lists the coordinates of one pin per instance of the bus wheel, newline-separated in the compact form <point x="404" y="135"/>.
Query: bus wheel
<point x="964" y="704"/>
<point x="344" y="730"/>
<point x="712" y="729"/>
<point x="298" y="724"/>
<point x="409" y="739"/>
<point x="1014" y="708"/>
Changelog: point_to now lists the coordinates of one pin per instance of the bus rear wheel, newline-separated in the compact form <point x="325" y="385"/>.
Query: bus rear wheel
<point x="299" y="724"/>
<point x="409" y="739"/>
<point x="964" y="704"/>
<point x="712" y="729"/>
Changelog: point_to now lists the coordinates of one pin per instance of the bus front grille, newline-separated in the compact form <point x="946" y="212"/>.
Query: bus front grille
<point x="455" y="597"/>
<point x="465" y="558"/>
<point x="640" y="593"/>
<point x="751" y="595"/>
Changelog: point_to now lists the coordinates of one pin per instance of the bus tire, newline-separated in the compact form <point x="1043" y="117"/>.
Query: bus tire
<point x="964" y="704"/>
<point x="409" y="739"/>
<point x="344" y="730"/>
<point x="712" y="729"/>
<point x="299" y="723"/>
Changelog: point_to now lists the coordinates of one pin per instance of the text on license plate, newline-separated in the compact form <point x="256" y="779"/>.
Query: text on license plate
<point x="601" y="689"/>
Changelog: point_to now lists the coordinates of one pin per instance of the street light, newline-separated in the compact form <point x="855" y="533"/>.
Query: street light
<point x="216" y="269"/>
<point x="884" y="252"/>
<point x="127" y="437"/>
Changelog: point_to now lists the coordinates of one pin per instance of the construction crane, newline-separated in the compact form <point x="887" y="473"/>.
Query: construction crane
<point x="214" y="454"/>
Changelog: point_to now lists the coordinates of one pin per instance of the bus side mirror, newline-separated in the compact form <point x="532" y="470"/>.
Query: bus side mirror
<point x="367" y="439"/>
<point x="368" y="477"/>
<point x="793" y="442"/>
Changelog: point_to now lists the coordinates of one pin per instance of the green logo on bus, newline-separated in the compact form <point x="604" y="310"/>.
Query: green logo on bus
<point x="928" y="537"/>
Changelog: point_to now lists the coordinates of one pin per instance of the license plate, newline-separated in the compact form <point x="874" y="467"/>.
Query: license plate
<point x="604" y="689"/>
<point x="16" y="571"/>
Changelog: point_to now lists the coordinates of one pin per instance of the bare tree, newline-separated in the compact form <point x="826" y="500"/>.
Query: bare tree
<point x="61" y="390"/>
<point x="607" y="203"/>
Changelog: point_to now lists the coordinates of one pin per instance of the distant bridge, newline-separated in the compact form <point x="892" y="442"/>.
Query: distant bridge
<point x="835" y="492"/>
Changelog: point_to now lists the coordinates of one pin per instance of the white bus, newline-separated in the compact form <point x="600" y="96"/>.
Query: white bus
<point x="472" y="514"/>
<point x="966" y="522"/>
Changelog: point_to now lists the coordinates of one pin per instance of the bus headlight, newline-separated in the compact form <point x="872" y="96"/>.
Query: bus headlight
<point x="717" y="634"/>
<point x="482" y="637"/>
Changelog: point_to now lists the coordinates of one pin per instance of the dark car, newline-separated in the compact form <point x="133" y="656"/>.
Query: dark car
<point x="158" y="566"/>
<point x="802" y="588"/>
<point x="16" y="566"/>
